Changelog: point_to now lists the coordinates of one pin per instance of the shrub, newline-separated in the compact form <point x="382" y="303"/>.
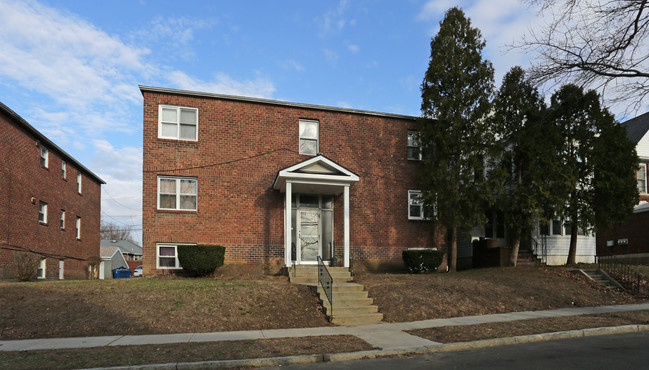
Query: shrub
<point x="200" y="260"/>
<point x="25" y="265"/>
<point x="422" y="261"/>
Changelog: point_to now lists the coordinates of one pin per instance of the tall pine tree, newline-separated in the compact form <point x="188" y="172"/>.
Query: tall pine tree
<point x="456" y="94"/>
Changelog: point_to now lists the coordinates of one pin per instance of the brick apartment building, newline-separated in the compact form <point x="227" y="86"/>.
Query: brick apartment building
<point x="49" y="203"/>
<point x="277" y="183"/>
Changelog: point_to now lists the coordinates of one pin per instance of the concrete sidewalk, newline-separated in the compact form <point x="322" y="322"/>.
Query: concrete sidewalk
<point x="387" y="336"/>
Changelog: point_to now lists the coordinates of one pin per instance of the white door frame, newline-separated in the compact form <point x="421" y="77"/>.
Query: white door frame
<point x="298" y="221"/>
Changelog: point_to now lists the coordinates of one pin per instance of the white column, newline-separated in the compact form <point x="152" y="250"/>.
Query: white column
<point x="346" y="227"/>
<point x="287" y="225"/>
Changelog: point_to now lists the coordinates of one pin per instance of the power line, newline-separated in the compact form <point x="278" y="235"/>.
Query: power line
<point x="114" y="200"/>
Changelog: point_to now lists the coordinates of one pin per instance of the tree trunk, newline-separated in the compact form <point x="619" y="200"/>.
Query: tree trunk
<point x="572" y="252"/>
<point x="513" y="258"/>
<point x="452" y="253"/>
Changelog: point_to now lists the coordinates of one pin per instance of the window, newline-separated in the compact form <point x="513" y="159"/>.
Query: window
<point x="62" y="219"/>
<point x="42" y="212"/>
<point x="177" y="193"/>
<point x="309" y="133"/>
<point x="44" y="156"/>
<point x="78" y="227"/>
<point x="179" y="123"/>
<point x="415" y="205"/>
<point x="79" y="182"/>
<point x="168" y="256"/>
<point x="556" y="227"/>
<point x="414" y="151"/>
<point x="553" y="227"/>
<point x="641" y="176"/>
<point x="64" y="170"/>
<point x="496" y="228"/>
<point x="40" y="273"/>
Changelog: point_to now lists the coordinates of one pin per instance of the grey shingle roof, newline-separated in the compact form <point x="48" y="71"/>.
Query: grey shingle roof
<point x="637" y="127"/>
<point x="124" y="245"/>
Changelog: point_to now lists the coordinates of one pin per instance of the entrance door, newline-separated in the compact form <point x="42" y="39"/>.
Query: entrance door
<point x="61" y="269"/>
<point x="309" y="235"/>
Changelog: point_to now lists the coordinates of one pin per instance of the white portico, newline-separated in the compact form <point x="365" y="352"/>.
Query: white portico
<point x="310" y="187"/>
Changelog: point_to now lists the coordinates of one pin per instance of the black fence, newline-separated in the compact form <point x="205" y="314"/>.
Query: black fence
<point x="327" y="283"/>
<point x="625" y="274"/>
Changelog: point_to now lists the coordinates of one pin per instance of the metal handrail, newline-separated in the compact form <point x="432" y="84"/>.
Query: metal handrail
<point x="326" y="282"/>
<point x="623" y="273"/>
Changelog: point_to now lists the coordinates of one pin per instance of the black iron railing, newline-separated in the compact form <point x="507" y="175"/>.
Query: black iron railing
<point x="327" y="283"/>
<point x="631" y="280"/>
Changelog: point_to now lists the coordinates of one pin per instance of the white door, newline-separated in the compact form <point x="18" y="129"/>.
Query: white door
<point x="308" y="236"/>
<point x="61" y="269"/>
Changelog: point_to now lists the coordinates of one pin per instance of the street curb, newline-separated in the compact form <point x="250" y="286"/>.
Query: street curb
<point x="365" y="355"/>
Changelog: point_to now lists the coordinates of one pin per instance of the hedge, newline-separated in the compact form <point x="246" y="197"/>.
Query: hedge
<point x="422" y="261"/>
<point x="200" y="260"/>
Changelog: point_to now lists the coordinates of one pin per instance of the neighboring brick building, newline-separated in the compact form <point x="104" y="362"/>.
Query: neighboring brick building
<point x="49" y="202"/>
<point x="217" y="169"/>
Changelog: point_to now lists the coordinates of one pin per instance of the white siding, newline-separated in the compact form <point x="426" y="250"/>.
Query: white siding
<point x="557" y="247"/>
<point x="643" y="146"/>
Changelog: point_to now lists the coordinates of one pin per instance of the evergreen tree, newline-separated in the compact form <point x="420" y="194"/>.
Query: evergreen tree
<point x="456" y="93"/>
<point x="526" y="154"/>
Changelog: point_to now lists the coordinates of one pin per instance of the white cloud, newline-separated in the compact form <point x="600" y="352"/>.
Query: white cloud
<point x="224" y="84"/>
<point x="353" y="48"/>
<point x="333" y="21"/>
<point x="435" y="9"/>
<point x="331" y="56"/>
<point x="292" y="65"/>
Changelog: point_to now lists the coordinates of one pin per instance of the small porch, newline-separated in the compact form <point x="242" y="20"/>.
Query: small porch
<point x="309" y="189"/>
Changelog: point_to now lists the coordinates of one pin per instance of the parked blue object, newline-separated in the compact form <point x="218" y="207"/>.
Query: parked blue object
<point x="121" y="273"/>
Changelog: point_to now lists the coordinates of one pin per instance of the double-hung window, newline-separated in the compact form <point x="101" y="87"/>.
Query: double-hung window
<point x="309" y="137"/>
<point x="42" y="265"/>
<point x="414" y="150"/>
<point x="79" y="182"/>
<point x="42" y="212"/>
<point x="78" y="227"/>
<point x="177" y="193"/>
<point x="64" y="170"/>
<point x="641" y="176"/>
<point x="167" y="256"/>
<point x="415" y="205"/>
<point x="180" y="123"/>
<point x="45" y="154"/>
<point x="62" y="220"/>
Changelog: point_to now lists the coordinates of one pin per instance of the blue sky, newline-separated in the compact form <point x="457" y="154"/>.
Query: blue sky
<point x="71" y="67"/>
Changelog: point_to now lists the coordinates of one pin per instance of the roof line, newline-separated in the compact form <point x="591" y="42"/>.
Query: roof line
<point x="273" y="102"/>
<point x="22" y="122"/>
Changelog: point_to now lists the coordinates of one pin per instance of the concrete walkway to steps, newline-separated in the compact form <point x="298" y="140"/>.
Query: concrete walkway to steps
<point x="387" y="336"/>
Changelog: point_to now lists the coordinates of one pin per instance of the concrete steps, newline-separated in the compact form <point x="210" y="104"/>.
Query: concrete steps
<point x="602" y="278"/>
<point x="351" y="304"/>
<point x="527" y="258"/>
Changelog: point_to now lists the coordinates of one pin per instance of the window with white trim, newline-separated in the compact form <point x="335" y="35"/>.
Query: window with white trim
<point x="415" y="205"/>
<point x="414" y="150"/>
<point x="641" y="176"/>
<point x="177" y="193"/>
<point x="79" y="182"/>
<point x="40" y="273"/>
<point x="78" y="227"/>
<point x="42" y="212"/>
<point x="309" y="137"/>
<point x="64" y="170"/>
<point x="180" y="123"/>
<point x="167" y="256"/>
<point x="62" y="219"/>
<point x="45" y="156"/>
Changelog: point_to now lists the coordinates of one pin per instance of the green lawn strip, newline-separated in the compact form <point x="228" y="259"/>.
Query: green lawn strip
<point x="181" y="352"/>
<point x="467" y="333"/>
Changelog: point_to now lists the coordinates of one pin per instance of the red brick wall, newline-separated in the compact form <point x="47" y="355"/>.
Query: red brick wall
<point x="21" y="178"/>
<point x="237" y="206"/>
<point x="636" y="230"/>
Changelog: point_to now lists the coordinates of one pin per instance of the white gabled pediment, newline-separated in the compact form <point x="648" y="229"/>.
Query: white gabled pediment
<point x="318" y="170"/>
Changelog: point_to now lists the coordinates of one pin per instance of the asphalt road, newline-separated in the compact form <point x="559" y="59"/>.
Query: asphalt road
<point x="622" y="351"/>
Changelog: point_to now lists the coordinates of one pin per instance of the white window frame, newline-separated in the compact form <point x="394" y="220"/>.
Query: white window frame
<point x="642" y="169"/>
<point x="411" y="142"/>
<point x="78" y="227"/>
<point x="45" y="157"/>
<point x="42" y="212"/>
<point x="316" y="139"/>
<point x="177" y="193"/>
<point x="41" y="271"/>
<point x="64" y="169"/>
<point x="177" y="262"/>
<point x="177" y="123"/>
<point x="79" y="177"/>
<point x="421" y="216"/>
<point x="62" y="219"/>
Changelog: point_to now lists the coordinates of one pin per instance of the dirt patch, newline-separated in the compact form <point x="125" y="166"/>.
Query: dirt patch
<point x="406" y="297"/>
<point x="468" y="333"/>
<point x="154" y="306"/>
<point x="152" y="354"/>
